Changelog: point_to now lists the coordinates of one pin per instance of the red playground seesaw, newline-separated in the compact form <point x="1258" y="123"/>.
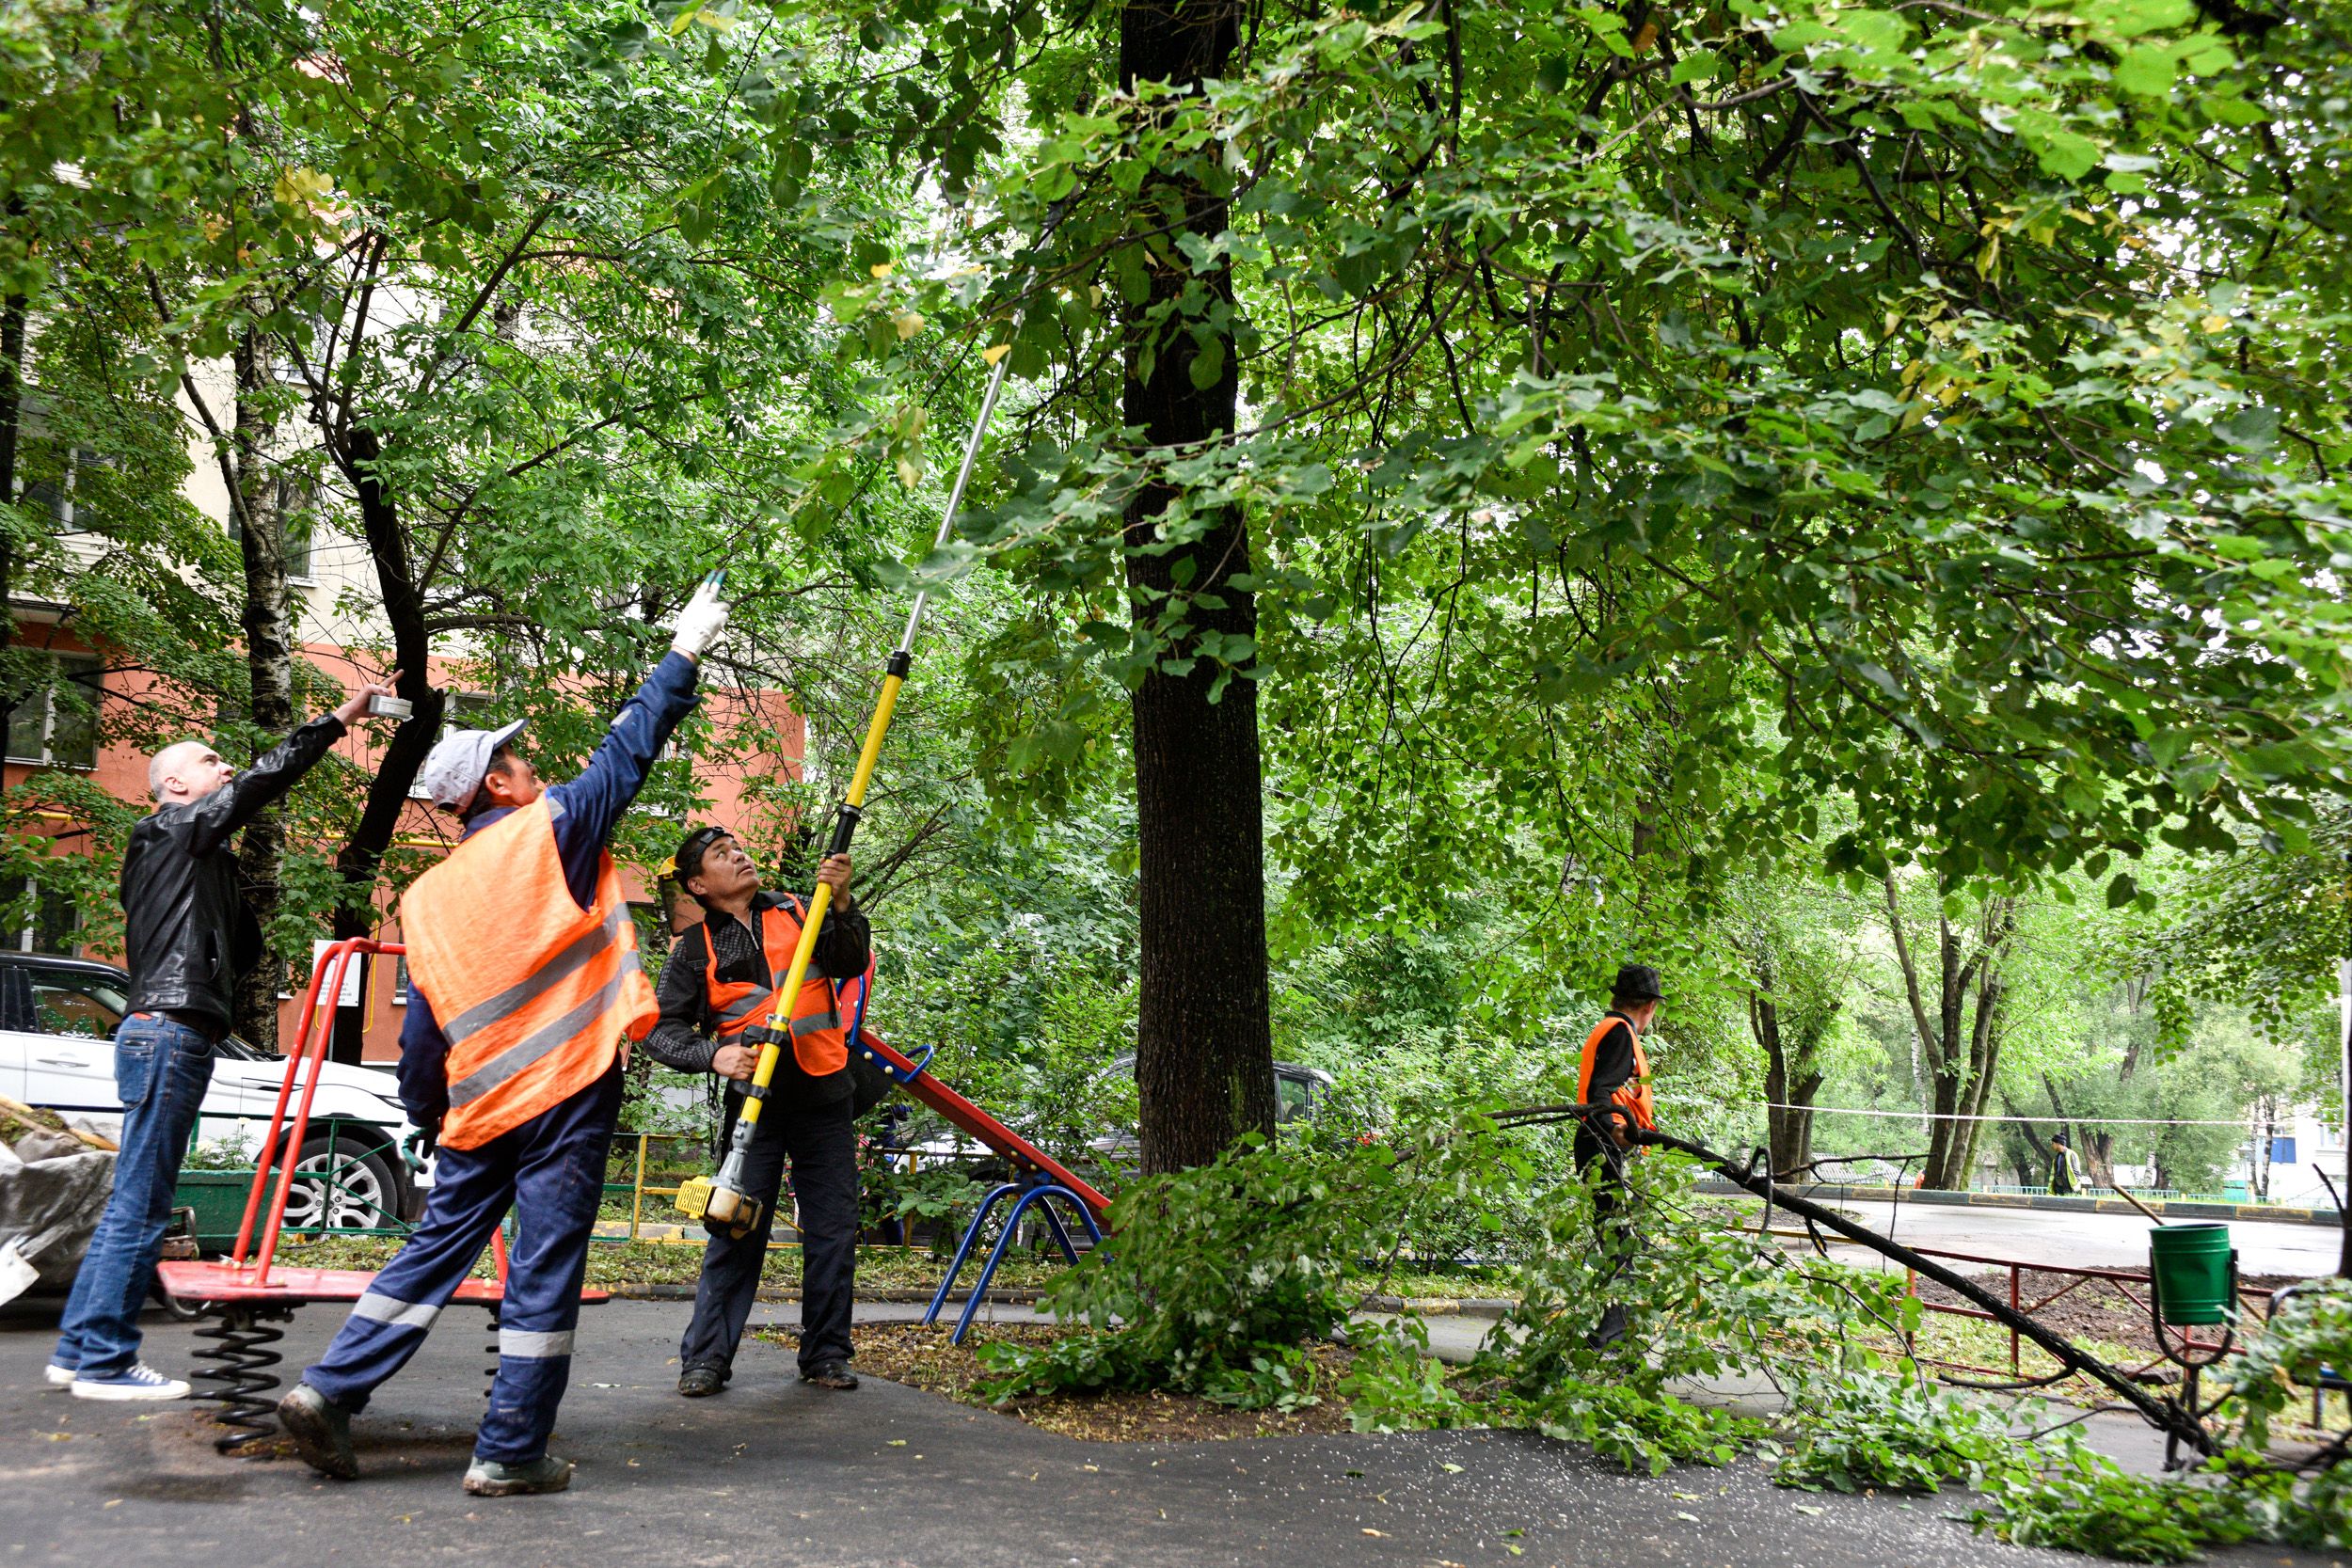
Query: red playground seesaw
<point x="245" y="1295"/>
<point x="1038" y="1180"/>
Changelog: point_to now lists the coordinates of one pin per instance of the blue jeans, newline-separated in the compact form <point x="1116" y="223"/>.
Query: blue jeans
<point x="162" y="1070"/>
<point x="551" y="1172"/>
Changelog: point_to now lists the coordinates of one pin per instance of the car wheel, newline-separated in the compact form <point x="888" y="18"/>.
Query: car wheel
<point x="173" y="1304"/>
<point x="341" y="1184"/>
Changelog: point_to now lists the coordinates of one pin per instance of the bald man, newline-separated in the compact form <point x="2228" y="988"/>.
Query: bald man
<point x="187" y="934"/>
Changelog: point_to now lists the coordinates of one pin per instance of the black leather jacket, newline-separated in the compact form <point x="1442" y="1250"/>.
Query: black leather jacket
<point x="188" y="932"/>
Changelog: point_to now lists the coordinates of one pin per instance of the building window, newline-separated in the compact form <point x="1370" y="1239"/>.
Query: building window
<point x="400" y="980"/>
<point x="56" y="722"/>
<point x="56" y="498"/>
<point x="297" y="521"/>
<point x="52" y="923"/>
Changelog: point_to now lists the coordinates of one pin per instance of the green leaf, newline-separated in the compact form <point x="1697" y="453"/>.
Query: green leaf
<point x="1699" y="66"/>
<point x="2146" y="68"/>
<point x="1208" y="362"/>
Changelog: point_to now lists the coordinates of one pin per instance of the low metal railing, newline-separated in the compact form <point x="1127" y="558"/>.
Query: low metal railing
<point x="2131" y="1284"/>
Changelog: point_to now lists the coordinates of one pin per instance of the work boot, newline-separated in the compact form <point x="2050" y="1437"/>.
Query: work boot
<point x="831" y="1374"/>
<point x="488" y="1478"/>
<point x="1612" y="1329"/>
<point x="321" y="1430"/>
<point x="698" y="1383"/>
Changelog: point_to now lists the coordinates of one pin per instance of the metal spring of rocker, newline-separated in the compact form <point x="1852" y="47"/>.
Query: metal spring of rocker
<point x="238" y="1370"/>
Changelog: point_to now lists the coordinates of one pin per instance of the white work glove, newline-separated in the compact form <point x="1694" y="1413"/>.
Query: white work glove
<point x="703" y="619"/>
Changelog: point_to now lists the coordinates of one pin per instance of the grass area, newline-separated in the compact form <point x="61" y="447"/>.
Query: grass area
<point x="923" y="1358"/>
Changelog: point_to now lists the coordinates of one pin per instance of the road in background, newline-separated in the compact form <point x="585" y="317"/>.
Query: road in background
<point x="2076" y="1240"/>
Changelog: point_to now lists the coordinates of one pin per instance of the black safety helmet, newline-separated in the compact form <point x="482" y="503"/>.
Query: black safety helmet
<point x="687" y="863"/>
<point x="1635" y="983"/>
<point x="2062" y="1138"/>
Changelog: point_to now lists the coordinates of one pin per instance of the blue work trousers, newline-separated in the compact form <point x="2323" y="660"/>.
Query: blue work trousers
<point x="162" y="1070"/>
<point x="551" y="1172"/>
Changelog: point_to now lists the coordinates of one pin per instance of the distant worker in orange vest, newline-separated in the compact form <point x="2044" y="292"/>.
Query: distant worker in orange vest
<point x="1614" y="1071"/>
<point x="524" y="987"/>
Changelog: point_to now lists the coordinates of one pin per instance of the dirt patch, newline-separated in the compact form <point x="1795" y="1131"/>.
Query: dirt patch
<point x="2090" y="1309"/>
<point x="923" y="1359"/>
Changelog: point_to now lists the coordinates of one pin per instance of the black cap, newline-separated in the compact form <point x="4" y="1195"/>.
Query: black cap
<point x="1635" y="983"/>
<point x="2058" y="1138"/>
<point x="687" y="863"/>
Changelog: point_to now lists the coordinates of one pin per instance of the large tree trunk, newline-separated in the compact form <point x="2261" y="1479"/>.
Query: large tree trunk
<point x="1790" y="1078"/>
<point x="269" y="643"/>
<point x="1204" y="1052"/>
<point x="1960" y="1054"/>
<point x="362" y="855"/>
<point x="1984" y="1056"/>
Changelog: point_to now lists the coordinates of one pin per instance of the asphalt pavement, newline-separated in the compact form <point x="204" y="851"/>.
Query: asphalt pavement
<point x="2046" y="1237"/>
<point x="774" y="1472"/>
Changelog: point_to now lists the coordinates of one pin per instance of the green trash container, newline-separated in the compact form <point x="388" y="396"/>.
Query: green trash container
<point x="218" y="1199"/>
<point x="2192" y="1271"/>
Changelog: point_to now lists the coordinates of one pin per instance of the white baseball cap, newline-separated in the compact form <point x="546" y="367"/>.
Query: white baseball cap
<point x="454" y="770"/>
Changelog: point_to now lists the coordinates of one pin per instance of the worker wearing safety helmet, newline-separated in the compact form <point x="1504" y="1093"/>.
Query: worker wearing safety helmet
<point x="1613" y="1071"/>
<point x="523" y="992"/>
<point x="718" y="1006"/>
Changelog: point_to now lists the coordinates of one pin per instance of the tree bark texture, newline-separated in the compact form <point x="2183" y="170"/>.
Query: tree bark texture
<point x="1204" y="1053"/>
<point x="1792" y="1076"/>
<point x="12" y="318"/>
<point x="362" y="855"/>
<point x="269" y="658"/>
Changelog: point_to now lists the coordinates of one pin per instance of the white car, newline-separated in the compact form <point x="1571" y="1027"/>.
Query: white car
<point x="57" y="1018"/>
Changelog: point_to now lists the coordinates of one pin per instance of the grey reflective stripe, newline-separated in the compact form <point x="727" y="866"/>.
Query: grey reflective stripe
<point x="582" y="951"/>
<point x="527" y="1345"/>
<point x="393" y="1312"/>
<point x="743" y="1006"/>
<point x="815" y="1024"/>
<point x="515" y="1057"/>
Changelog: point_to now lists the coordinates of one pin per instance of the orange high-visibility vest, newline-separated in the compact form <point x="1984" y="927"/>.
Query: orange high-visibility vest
<point x="820" y="1043"/>
<point x="533" y="991"/>
<point x="1633" y="1094"/>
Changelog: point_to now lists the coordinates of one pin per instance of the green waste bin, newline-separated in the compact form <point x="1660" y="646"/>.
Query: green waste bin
<point x="2191" y="1269"/>
<point x="218" y="1197"/>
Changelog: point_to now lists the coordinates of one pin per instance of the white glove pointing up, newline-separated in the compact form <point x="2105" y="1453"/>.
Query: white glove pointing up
<point x="703" y="619"/>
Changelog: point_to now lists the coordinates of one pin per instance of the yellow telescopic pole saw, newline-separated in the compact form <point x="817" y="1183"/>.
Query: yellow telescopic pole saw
<point x="728" y="1204"/>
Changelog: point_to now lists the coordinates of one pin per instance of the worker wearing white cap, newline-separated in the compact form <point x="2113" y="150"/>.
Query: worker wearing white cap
<point x="523" y="986"/>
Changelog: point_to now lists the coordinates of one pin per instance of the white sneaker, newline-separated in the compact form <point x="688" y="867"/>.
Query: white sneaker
<point x="56" y="1376"/>
<point x="137" y="1381"/>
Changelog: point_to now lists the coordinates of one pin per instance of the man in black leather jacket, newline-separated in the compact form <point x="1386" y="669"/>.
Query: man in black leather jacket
<point x="188" y="934"/>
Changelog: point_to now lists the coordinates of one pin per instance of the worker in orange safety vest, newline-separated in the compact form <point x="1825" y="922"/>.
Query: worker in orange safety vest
<point x="719" y="1007"/>
<point x="1615" y="1070"/>
<point x="523" y="990"/>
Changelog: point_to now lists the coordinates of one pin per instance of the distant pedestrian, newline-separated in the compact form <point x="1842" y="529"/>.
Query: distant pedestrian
<point x="2066" y="1167"/>
<point x="187" y="936"/>
<point x="524" y="989"/>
